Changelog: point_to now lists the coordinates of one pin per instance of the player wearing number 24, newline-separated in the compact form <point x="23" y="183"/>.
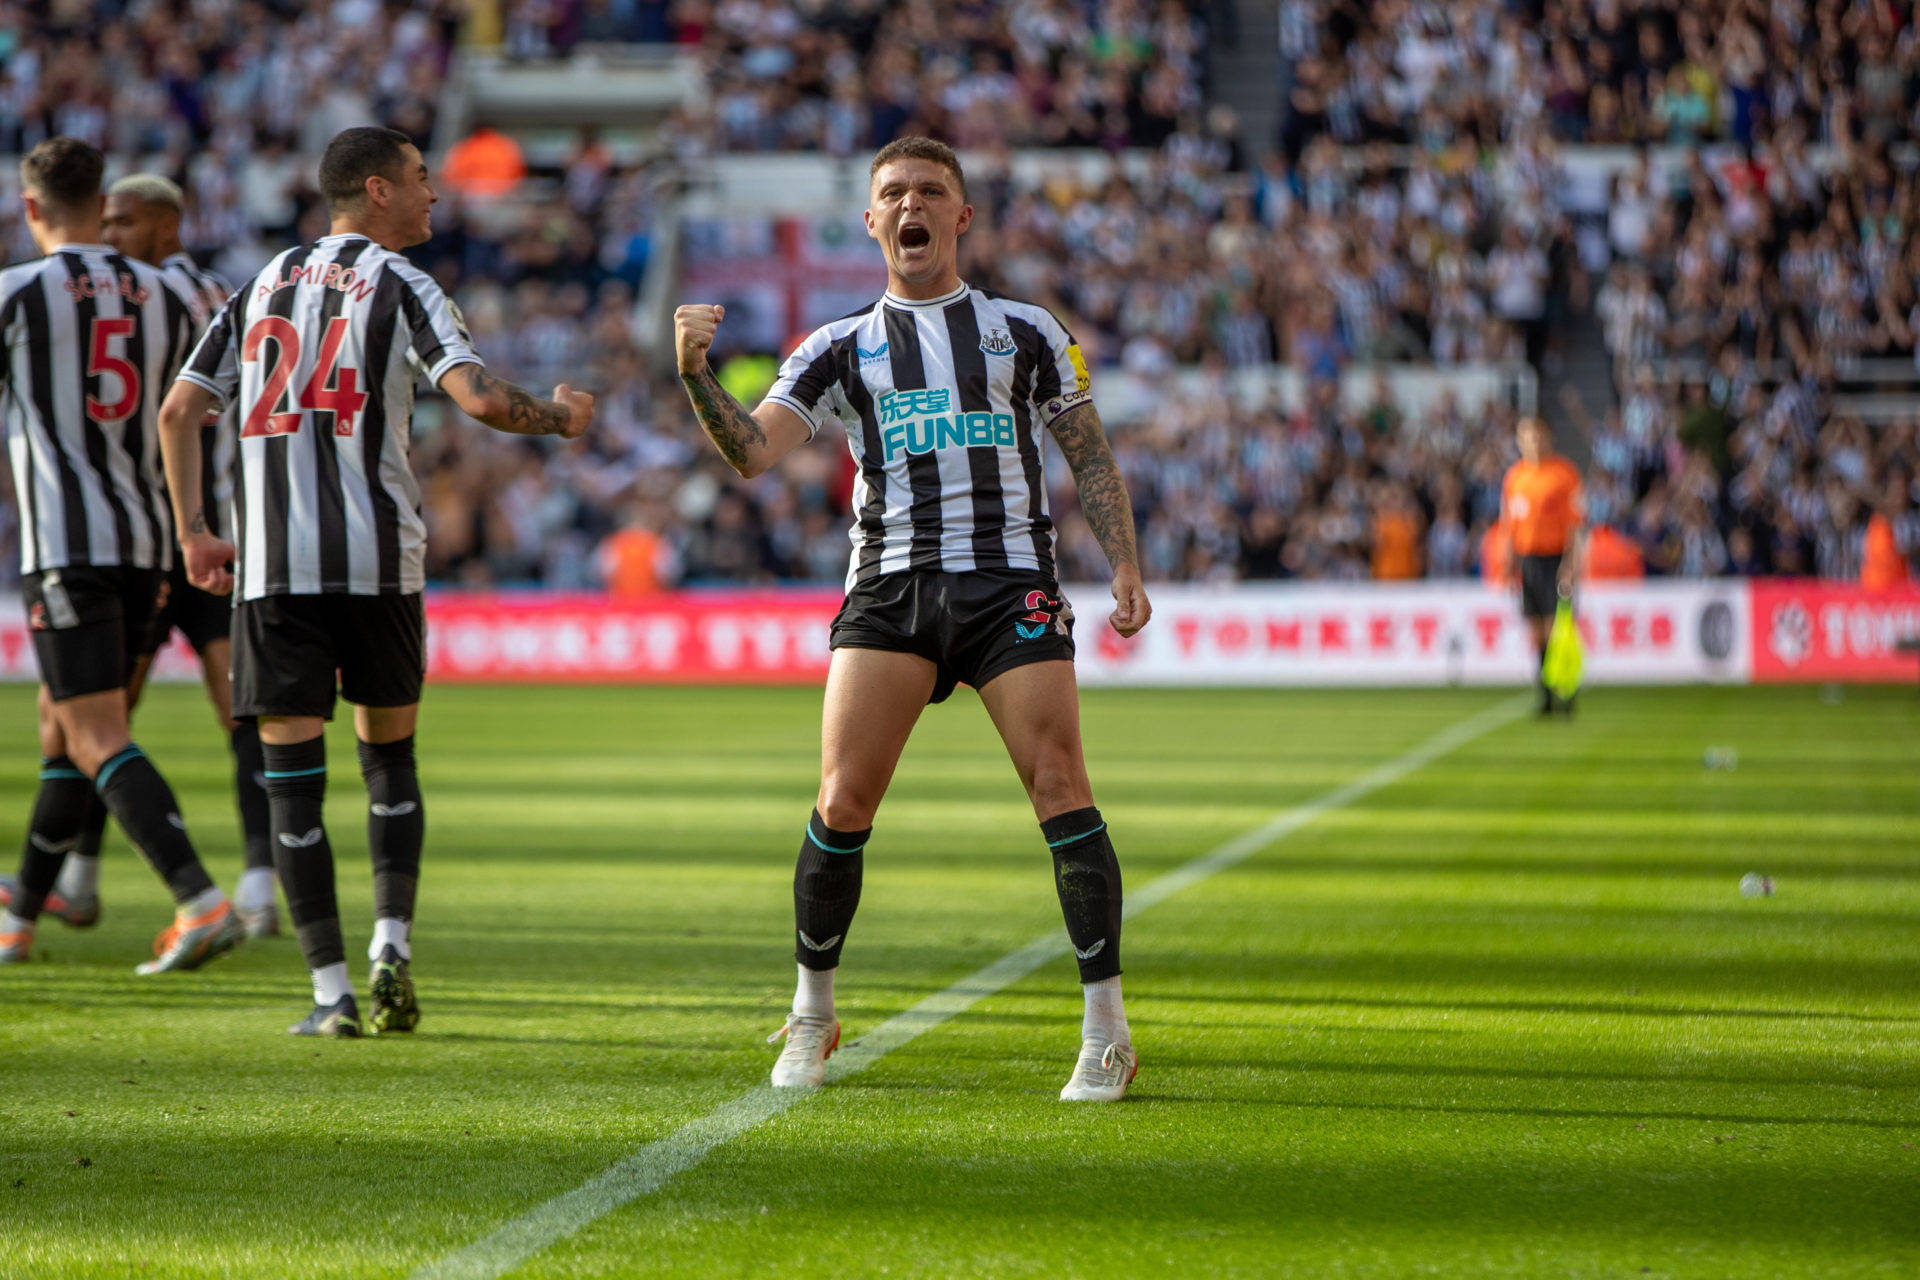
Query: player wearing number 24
<point x="319" y="354"/>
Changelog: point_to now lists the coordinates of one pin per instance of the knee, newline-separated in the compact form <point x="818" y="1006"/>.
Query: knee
<point x="1059" y="782"/>
<point x="847" y="806"/>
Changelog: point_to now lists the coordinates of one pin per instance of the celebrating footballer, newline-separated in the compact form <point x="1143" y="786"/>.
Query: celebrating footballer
<point x="944" y="390"/>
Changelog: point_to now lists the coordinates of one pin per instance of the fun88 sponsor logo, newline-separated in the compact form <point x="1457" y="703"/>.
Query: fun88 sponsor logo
<point x="924" y="422"/>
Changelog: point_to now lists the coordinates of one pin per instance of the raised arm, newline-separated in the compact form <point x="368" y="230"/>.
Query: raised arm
<point x="505" y="407"/>
<point x="181" y="415"/>
<point x="1107" y="508"/>
<point x="750" y="442"/>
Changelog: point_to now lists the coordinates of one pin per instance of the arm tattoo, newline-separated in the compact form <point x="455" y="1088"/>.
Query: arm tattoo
<point x="1103" y="491"/>
<point x="527" y="414"/>
<point x="731" y="428"/>
<point x="199" y="522"/>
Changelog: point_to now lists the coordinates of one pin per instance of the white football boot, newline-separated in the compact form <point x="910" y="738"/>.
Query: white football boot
<point x="802" y="1063"/>
<point x="1102" y="1074"/>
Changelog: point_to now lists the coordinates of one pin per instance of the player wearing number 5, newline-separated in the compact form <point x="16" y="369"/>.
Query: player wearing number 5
<point x="91" y="341"/>
<point x="319" y="354"/>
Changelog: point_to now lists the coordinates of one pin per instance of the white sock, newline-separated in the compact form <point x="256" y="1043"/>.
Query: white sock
<point x="11" y="923"/>
<point x="813" y="998"/>
<point x="80" y="877"/>
<point x="1105" y="1019"/>
<point x="255" y="890"/>
<point x="331" y="984"/>
<point x="207" y="901"/>
<point x="389" y="932"/>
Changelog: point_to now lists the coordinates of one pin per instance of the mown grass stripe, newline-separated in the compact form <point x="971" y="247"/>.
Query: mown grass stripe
<point x="653" y="1165"/>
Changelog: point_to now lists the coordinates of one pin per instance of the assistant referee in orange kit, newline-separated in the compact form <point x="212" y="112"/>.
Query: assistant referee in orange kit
<point x="1541" y="505"/>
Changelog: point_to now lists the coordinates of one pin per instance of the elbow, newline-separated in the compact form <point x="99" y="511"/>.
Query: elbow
<point x="173" y="420"/>
<point x="749" y="467"/>
<point x="491" y="409"/>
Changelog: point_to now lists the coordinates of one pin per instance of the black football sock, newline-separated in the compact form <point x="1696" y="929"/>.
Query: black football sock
<point x="826" y="891"/>
<point x="143" y="804"/>
<point x="1087" y="876"/>
<point x="93" y="832"/>
<point x="396" y="825"/>
<point x="250" y="790"/>
<point x="59" y="814"/>
<point x="296" y="793"/>
<point x="80" y="878"/>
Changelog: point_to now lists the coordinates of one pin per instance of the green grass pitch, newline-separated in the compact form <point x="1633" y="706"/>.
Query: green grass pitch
<point x="1506" y="1017"/>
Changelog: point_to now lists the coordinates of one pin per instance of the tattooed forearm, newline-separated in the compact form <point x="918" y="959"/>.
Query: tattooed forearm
<point x="521" y="412"/>
<point x="726" y="422"/>
<point x="1103" y="491"/>
<point x="199" y="522"/>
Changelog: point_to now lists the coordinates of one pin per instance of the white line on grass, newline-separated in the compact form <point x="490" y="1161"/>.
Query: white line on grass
<point x="649" y="1168"/>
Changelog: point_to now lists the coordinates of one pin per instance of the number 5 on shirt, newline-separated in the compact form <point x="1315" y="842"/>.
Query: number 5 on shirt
<point x="333" y="387"/>
<point x="101" y="361"/>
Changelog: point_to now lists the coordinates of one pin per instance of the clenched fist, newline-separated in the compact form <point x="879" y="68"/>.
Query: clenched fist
<point x="693" y="327"/>
<point x="579" y="407"/>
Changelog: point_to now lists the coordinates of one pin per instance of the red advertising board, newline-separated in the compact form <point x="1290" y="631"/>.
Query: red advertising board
<point x="1805" y="629"/>
<point x="1725" y="631"/>
<point x="743" y="637"/>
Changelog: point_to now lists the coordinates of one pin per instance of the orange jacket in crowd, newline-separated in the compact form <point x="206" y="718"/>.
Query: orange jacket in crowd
<point x="1541" y="504"/>
<point x="630" y="562"/>
<point x="1611" y="554"/>
<point x="484" y="163"/>
<point x="1882" y="567"/>
<point x="1396" y="546"/>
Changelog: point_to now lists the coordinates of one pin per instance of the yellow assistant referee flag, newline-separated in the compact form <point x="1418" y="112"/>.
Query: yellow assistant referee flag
<point x="1561" y="670"/>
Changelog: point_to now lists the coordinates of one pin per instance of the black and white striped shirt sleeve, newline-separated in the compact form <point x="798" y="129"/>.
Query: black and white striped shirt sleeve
<point x="1062" y="381"/>
<point x="808" y="380"/>
<point x="215" y="362"/>
<point x="437" y="338"/>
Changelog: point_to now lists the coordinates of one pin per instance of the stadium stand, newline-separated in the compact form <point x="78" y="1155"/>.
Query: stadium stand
<point x="1696" y="223"/>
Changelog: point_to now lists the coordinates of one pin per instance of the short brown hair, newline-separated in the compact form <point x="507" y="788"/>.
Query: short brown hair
<point x="63" y="172"/>
<point x="918" y="148"/>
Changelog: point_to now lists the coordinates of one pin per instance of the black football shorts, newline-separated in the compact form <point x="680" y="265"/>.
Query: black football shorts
<point x="89" y="624"/>
<point x="200" y="616"/>
<point x="293" y="654"/>
<point x="972" y="626"/>
<point x="1539" y="586"/>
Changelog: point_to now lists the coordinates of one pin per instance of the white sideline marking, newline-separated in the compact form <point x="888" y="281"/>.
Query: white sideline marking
<point x="649" y="1168"/>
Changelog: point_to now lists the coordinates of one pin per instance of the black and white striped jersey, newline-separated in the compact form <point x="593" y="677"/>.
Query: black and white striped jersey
<point x="206" y="293"/>
<point x="944" y="403"/>
<point x="318" y="354"/>
<point x="93" y="341"/>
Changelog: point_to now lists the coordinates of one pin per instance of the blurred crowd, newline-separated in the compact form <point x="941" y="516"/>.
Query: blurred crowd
<point x="1447" y="258"/>
<point x="842" y="76"/>
<point x="1599" y="71"/>
<point x="236" y="100"/>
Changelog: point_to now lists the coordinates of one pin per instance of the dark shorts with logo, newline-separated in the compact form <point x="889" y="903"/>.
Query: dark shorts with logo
<point x="972" y="626"/>
<point x="200" y="616"/>
<point x="89" y="624"/>
<point x="292" y="655"/>
<point x="1539" y="586"/>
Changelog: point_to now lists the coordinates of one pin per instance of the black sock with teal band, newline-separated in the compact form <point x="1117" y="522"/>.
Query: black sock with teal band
<point x="296" y="792"/>
<point x="1087" y="876"/>
<point x="143" y="804"/>
<point x="250" y="794"/>
<point x="59" y="816"/>
<point x="826" y="891"/>
<point x="396" y="825"/>
<point x="93" y="831"/>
